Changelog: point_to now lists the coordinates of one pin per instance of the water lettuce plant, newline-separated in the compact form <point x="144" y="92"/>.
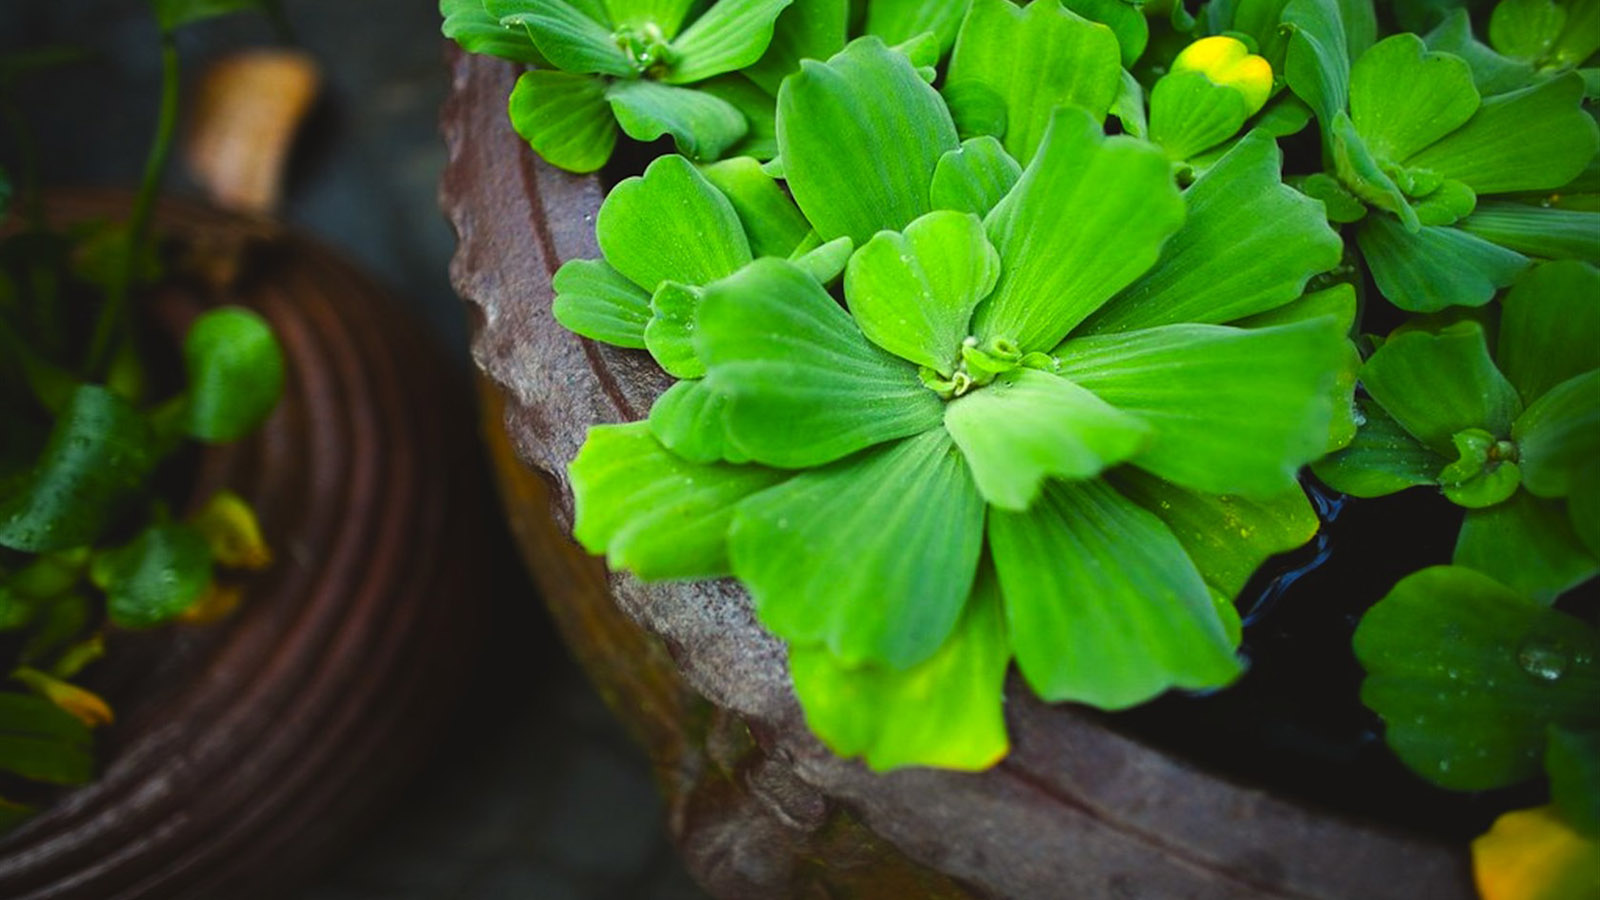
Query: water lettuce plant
<point x="89" y="542"/>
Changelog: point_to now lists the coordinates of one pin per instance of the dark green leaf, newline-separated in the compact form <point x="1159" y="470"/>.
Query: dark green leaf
<point x="947" y="711"/>
<point x="1435" y="267"/>
<point x="154" y="577"/>
<point x="1573" y="760"/>
<point x="1467" y="676"/>
<point x="1550" y="327"/>
<point x="1538" y="231"/>
<point x="1317" y="64"/>
<point x="1558" y="436"/>
<point x="653" y="513"/>
<point x="1528" y="544"/>
<point x="236" y="374"/>
<point x="174" y="14"/>
<point x="1527" y="29"/>
<point x="873" y="556"/>
<point x="99" y="454"/>
<point x="702" y="125"/>
<point x="1493" y="73"/>
<point x="804" y="385"/>
<point x="974" y="177"/>
<point x="42" y="742"/>
<point x="1382" y="460"/>
<point x="564" y="118"/>
<point x="860" y="137"/>
<point x="1083" y="195"/>
<point x="600" y="303"/>
<point x="1436" y="385"/>
<point x="1102" y="604"/>
<point x="1538" y="138"/>
<point x="730" y="35"/>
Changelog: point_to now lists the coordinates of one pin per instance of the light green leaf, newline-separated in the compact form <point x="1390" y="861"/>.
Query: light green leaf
<point x="1082" y="195"/>
<point x="670" y="332"/>
<point x="1558" y="436"/>
<point x="1538" y="231"/>
<point x="702" y="125"/>
<point x="671" y="224"/>
<point x="1222" y="265"/>
<point x="154" y="577"/>
<point x="947" y="711"/>
<point x="826" y="262"/>
<point x="772" y="222"/>
<point x="1538" y="138"/>
<point x="1580" y="39"/>
<point x="1338" y="302"/>
<point x="1226" y="537"/>
<point x="1030" y="425"/>
<point x="1468" y="675"/>
<point x="758" y="108"/>
<point x="898" y="21"/>
<point x="873" y="556"/>
<point x="1528" y="544"/>
<point x="600" y="303"/>
<point x="236" y="371"/>
<point x="569" y="38"/>
<point x="665" y="15"/>
<point x="1317" y="63"/>
<point x="1435" y="267"/>
<point x="1493" y="73"/>
<point x="1189" y="113"/>
<point x="1125" y="19"/>
<point x="1403" y="98"/>
<point x="653" y="513"/>
<point x="1102" y="604"/>
<point x="974" y="177"/>
<point x="99" y="454"/>
<point x="730" y="35"/>
<point x="1036" y="59"/>
<point x="977" y="109"/>
<point x="564" y="118"/>
<point x="1526" y="29"/>
<point x="860" y="137"/>
<point x="913" y="293"/>
<point x="1550" y="327"/>
<point x="808" y="29"/>
<point x="1129" y="107"/>
<point x="687" y="420"/>
<point x="1383" y="459"/>
<point x="1190" y="382"/>
<point x="1436" y="385"/>
<point x="804" y="385"/>
<point x="467" y="23"/>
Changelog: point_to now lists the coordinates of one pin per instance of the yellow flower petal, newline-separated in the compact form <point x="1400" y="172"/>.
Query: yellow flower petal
<point x="1533" y="854"/>
<point x="1228" y="62"/>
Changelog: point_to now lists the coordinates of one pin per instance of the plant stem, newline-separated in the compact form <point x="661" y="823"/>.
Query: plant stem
<point x="139" y="222"/>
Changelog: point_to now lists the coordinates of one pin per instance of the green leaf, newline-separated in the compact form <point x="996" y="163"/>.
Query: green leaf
<point x="1559" y="435"/>
<point x="757" y="107"/>
<point x="913" y="293"/>
<point x="1190" y="382"/>
<point x="1364" y="174"/>
<point x="671" y="224"/>
<point x="1129" y="107"/>
<point x="1222" y="265"/>
<point x="467" y="23"/>
<point x="1383" y="459"/>
<point x="873" y="556"/>
<point x="653" y="513"/>
<point x="1338" y="302"/>
<point x="1527" y="544"/>
<point x="1538" y="231"/>
<point x="174" y="14"/>
<point x="808" y="29"/>
<point x="1037" y="58"/>
<point x="772" y="222"/>
<point x="702" y="125"/>
<point x="564" y="118"/>
<point x="1125" y="19"/>
<point x="1526" y="28"/>
<point x="947" y="711"/>
<point x="825" y="263"/>
<point x="1573" y="760"/>
<point x="1227" y="537"/>
<point x="1317" y="62"/>
<point x="860" y="137"/>
<point x="804" y="385"/>
<point x="1189" y="113"/>
<point x="600" y="303"/>
<point x="1435" y="267"/>
<point x="1538" y="138"/>
<point x="1467" y="676"/>
<point x="154" y="577"/>
<point x="1580" y="39"/>
<point x="1082" y="195"/>
<point x="100" y="452"/>
<point x="1403" y="98"/>
<point x="898" y="21"/>
<point x="1493" y="73"/>
<point x="670" y="332"/>
<point x="1030" y="425"/>
<point x="41" y="742"/>
<point x="978" y="110"/>
<point x="687" y="420"/>
<point x="1102" y="604"/>
<point x="236" y="373"/>
<point x="730" y="35"/>
<point x="1583" y="511"/>
<point x="1550" y="327"/>
<point x="666" y="15"/>
<point x="567" y="36"/>
<point x="1435" y="385"/>
<point x="974" y="177"/>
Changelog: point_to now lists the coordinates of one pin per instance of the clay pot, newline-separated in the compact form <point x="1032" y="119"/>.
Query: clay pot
<point x="245" y="751"/>
<point x="758" y="806"/>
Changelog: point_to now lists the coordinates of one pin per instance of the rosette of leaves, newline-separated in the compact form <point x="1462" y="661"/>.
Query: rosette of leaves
<point x="1007" y="443"/>
<point x="1433" y="168"/>
<point x="1512" y="436"/>
<point x="1549" y="36"/>
<point x="87" y="542"/>
<point x="646" y="67"/>
<point x="1480" y="687"/>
